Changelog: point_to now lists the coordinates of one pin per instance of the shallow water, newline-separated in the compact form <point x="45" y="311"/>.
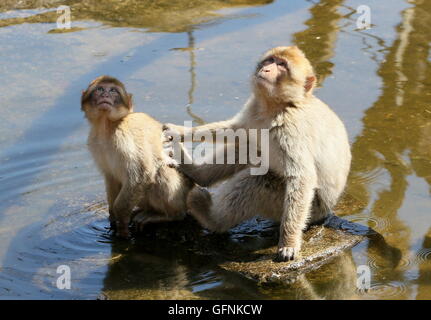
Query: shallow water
<point x="186" y="60"/>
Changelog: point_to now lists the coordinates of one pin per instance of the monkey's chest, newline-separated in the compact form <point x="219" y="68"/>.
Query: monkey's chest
<point x="285" y="152"/>
<point x="108" y="160"/>
<point x="276" y="160"/>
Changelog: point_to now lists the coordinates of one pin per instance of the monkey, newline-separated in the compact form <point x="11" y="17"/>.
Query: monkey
<point x="127" y="150"/>
<point x="309" y="156"/>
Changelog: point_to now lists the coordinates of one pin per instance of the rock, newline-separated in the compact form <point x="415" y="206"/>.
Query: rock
<point x="250" y="248"/>
<point x="320" y="245"/>
<point x="151" y="294"/>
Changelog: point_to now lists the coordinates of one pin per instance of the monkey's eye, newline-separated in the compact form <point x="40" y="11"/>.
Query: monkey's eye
<point x="113" y="90"/>
<point x="268" y="61"/>
<point x="282" y="63"/>
<point x="100" y="89"/>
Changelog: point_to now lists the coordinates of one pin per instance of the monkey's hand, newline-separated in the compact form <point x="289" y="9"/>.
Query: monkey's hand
<point x="170" y="162"/>
<point x="173" y="149"/>
<point x="168" y="152"/>
<point x="174" y="131"/>
<point x="287" y="253"/>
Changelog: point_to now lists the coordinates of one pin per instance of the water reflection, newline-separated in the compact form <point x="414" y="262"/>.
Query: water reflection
<point x="424" y="260"/>
<point x="191" y="49"/>
<point x="396" y="133"/>
<point x="154" y="16"/>
<point x="318" y="39"/>
<point x="175" y="262"/>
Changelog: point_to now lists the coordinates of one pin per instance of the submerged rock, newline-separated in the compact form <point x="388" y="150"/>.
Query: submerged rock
<point x="320" y="245"/>
<point x="250" y="248"/>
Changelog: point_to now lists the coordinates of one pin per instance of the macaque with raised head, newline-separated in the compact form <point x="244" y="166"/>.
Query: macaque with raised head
<point x="127" y="149"/>
<point x="309" y="155"/>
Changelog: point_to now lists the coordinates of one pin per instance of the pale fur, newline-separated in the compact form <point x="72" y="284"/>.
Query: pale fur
<point x="129" y="154"/>
<point x="309" y="161"/>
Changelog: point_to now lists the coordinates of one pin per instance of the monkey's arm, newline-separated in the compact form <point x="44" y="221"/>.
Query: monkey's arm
<point x="209" y="172"/>
<point x="301" y="180"/>
<point x="233" y="123"/>
<point x="127" y="199"/>
<point x="238" y="121"/>
<point x="112" y="190"/>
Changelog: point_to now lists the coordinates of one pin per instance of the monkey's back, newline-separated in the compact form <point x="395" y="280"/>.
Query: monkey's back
<point x="138" y="137"/>
<point x="145" y="132"/>
<point x="329" y="145"/>
<point x="315" y="138"/>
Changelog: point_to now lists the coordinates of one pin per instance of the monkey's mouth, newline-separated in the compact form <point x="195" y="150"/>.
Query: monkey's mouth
<point x="260" y="78"/>
<point x="104" y="104"/>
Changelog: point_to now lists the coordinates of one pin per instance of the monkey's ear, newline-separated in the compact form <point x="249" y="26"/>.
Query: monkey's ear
<point x="130" y="102"/>
<point x="82" y="99"/>
<point x="309" y="83"/>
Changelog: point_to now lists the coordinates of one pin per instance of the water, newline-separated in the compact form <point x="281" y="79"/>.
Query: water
<point x="186" y="60"/>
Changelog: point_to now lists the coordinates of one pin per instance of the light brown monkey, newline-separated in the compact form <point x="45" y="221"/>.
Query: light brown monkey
<point x="309" y="155"/>
<point x="127" y="149"/>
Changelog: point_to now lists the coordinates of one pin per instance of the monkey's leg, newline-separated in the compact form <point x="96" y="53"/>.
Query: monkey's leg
<point x="319" y="211"/>
<point x="209" y="172"/>
<point x="238" y="199"/>
<point x="143" y="218"/>
<point x="297" y="205"/>
<point x="172" y="129"/>
<point x="123" y="207"/>
<point x="112" y="190"/>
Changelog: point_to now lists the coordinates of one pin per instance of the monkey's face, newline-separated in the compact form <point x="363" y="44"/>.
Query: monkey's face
<point x="284" y="73"/>
<point x="106" y="100"/>
<point x="106" y="96"/>
<point x="271" y="71"/>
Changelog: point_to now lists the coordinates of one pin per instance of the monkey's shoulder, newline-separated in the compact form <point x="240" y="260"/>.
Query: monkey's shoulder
<point x="137" y="135"/>
<point x="309" y="115"/>
<point x="139" y="120"/>
<point x="140" y="126"/>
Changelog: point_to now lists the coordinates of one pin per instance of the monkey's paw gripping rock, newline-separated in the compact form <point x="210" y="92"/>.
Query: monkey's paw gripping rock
<point x="287" y="253"/>
<point x="320" y="245"/>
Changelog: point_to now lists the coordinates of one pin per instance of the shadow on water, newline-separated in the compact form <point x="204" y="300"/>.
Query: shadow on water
<point x="167" y="261"/>
<point x="423" y="258"/>
<point x="161" y="263"/>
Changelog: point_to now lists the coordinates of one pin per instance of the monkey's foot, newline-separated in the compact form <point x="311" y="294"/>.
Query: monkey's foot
<point x="122" y="231"/>
<point x="112" y="225"/>
<point x="141" y="220"/>
<point x="287" y="253"/>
